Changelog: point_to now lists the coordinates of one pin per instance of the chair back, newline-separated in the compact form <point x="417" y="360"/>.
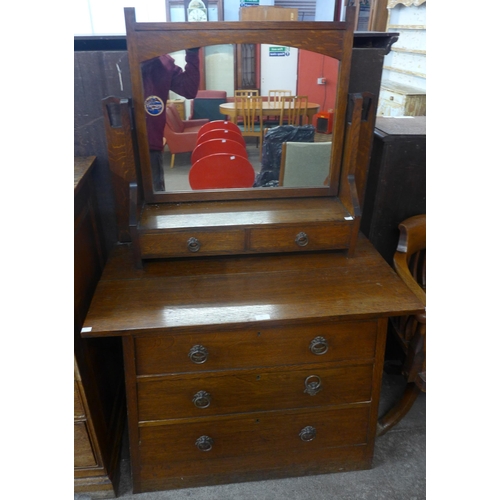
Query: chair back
<point x="294" y="110"/>
<point x="173" y="119"/>
<point x="214" y="146"/>
<point x="221" y="133"/>
<point x="274" y="96"/>
<point x="250" y="109"/>
<point x="305" y="164"/>
<point x="224" y="124"/>
<point x="246" y="93"/>
<point x="221" y="171"/>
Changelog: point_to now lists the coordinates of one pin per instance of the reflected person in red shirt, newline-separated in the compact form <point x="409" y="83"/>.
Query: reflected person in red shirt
<point x="159" y="76"/>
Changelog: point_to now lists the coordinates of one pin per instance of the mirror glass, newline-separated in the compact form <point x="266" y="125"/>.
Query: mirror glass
<point x="227" y="69"/>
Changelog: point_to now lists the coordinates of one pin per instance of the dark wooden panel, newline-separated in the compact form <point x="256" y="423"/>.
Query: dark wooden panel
<point x="396" y="186"/>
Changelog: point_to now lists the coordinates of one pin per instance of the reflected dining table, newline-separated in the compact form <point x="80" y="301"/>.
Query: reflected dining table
<point x="268" y="109"/>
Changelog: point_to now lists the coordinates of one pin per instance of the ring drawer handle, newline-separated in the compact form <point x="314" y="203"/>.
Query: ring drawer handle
<point x="204" y="443"/>
<point x="318" y="345"/>
<point x="301" y="239"/>
<point x="313" y="385"/>
<point x="193" y="244"/>
<point x="198" y="354"/>
<point x="307" y="433"/>
<point x="202" y="399"/>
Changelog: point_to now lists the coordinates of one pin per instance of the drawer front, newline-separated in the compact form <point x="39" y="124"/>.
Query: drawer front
<point x="260" y="441"/>
<point x="84" y="456"/>
<point x="259" y="347"/>
<point x="191" y="243"/>
<point x="192" y="395"/>
<point x="297" y="238"/>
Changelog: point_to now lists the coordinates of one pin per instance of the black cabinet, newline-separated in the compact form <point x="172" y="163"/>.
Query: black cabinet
<point x="396" y="187"/>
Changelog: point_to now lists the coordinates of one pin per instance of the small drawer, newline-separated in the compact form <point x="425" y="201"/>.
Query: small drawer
<point x="191" y="243"/>
<point x="259" y="347"/>
<point x="240" y="391"/>
<point x="257" y="441"/>
<point x="301" y="238"/>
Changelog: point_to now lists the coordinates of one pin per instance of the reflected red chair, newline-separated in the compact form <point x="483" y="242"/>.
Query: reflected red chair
<point x="224" y="124"/>
<point x="221" y="171"/>
<point x="180" y="135"/>
<point x="214" y="146"/>
<point x="220" y="133"/>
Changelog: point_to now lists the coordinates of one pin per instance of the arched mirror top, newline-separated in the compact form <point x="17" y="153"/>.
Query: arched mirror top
<point x="146" y="41"/>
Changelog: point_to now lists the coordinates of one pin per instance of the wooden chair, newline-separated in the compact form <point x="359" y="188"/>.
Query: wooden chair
<point x="274" y="98"/>
<point x="214" y="146"/>
<point x="409" y="263"/>
<point x="180" y="135"/>
<point x="294" y="110"/>
<point x="305" y="164"/>
<point x="221" y="171"/>
<point x="250" y="109"/>
<point x="246" y="93"/>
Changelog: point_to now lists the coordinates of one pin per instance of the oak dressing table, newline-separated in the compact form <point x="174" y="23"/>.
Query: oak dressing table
<point x="253" y="322"/>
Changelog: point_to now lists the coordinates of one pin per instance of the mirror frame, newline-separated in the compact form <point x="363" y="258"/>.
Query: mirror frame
<point x="148" y="40"/>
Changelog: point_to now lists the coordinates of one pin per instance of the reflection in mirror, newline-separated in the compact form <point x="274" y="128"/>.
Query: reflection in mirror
<point x="175" y="111"/>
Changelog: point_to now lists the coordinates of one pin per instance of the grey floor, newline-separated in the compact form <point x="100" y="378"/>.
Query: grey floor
<point x="398" y="472"/>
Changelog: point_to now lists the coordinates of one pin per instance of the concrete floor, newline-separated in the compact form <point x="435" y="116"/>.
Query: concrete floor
<point x="398" y="473"/>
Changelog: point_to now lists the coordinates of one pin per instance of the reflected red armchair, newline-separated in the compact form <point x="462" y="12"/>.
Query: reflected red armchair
<point x="180" y="135"/>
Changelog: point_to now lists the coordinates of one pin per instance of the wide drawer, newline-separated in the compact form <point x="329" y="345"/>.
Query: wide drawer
<point x="258" y="441"/>
<point x="258" y="347"/>
<point x="191" y="243"/>
<point x="239" y="391"/>
<point x="301" y="237"/>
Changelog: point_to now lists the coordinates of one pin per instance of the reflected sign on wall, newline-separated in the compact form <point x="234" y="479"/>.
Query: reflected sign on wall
<point x="279" y="51"/>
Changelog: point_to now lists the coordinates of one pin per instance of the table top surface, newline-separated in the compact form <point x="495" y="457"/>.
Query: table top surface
<point x="207" y="293"/>
<point x="267" y="105"/>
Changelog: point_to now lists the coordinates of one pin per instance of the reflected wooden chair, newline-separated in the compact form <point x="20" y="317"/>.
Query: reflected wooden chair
<point x="274" y="100"/>
<point x="305" y="164"/>
<point x="250" y="109"/>
<point x="409" y="331"/>
<point x="294" y="110"/>
<point x="214" y="146"/>
<point x="246" y="93"/>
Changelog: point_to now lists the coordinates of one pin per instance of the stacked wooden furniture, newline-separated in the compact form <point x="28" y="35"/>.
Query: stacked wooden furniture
<point x="99" y="414"/>
<point x="259" y="355"/>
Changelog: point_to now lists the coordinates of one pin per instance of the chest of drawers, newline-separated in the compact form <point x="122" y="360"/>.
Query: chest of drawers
<point x="247" y="368"/>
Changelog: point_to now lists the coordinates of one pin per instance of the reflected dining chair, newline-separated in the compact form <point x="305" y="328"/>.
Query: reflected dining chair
<point x="246" y="93"/>
<point x="274" y="100"/>
<point x="294" y="110"/>
<point x="250" y="109"/>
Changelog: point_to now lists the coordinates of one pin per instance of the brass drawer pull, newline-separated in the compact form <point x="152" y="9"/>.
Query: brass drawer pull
<point x="307" y="433"/>
<point x="198" y="354"/>
<point x="193" y="244"/>
<point x="204" y="443"/>
<point x="313" y="385"/>
<point x="318" y="346"/>
<point x="202" y="399"/>
<point x="301" y="239"/>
